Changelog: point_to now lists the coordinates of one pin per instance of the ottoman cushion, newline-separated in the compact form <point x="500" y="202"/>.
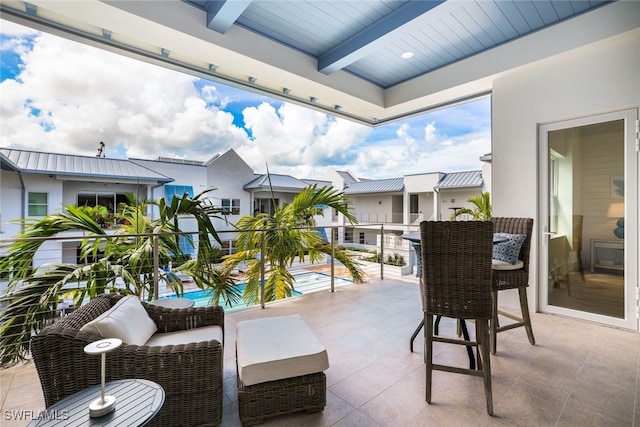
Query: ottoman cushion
<point x="274" y="348"/>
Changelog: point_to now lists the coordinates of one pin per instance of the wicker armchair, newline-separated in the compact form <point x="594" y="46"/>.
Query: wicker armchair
<point x="456" y="260"/>
<point x="512" y="279"/>
<point x="190" y="374"/>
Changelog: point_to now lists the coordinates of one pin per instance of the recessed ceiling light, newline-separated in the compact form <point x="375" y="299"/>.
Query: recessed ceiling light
<point x="406" y="55"/>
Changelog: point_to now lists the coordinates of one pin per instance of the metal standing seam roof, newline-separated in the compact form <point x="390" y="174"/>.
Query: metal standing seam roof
<point x="319" y="182"/>
<point x="279" y="182"/>
<point x="375" y="186"/>
<point x="461" y="180"/>
<point x="80" y="166"/>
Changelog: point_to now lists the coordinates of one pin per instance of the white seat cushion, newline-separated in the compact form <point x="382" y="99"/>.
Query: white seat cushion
<point x="127" y="320"/>
<point x="205" y="333"/>
<point x="496" y="264"/>
<point x="275" y="348"/>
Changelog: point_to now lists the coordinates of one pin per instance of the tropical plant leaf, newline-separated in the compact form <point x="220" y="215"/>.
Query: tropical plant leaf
<point x="123" y="262"/>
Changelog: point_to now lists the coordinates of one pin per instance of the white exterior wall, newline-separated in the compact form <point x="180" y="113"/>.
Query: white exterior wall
<point x="595" y="79"/>
<point x="15" y="204"/>
<point x="10" y="203"/>
<point x="487" y="177"/>
<point x="450" y="199"/>
<point x="373" y="207"/>
<point x="421" y="184"/>
<point x="228" y="174"/>
<point x="182" y="174"/>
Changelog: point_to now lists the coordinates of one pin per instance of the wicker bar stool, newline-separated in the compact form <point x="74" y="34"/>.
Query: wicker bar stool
<point x="517" y="278"/>
<point x="456" y="260"/>
<point x="461" y="325"/>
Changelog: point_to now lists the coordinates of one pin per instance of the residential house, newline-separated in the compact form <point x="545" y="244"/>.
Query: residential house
<point x="397" y="205"/>
<point x="230" y="183"/>
<point x="35" y="184"/>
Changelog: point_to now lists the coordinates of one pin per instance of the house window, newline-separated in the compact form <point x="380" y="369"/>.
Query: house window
<point x="348" y="235"/>
<point x="413" y="203"/>
<point x="184" y="241"/>
<point x="362" y="238"/>
<point x="111" y="201"/>
<point x="38" y="204"/>
<point x="176" y="190"/>
<point x="231" y="205"/>
<point x="265" y="206"/>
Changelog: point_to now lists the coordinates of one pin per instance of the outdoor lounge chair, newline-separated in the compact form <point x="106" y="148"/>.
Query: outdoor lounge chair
<point x="190" y="374"/>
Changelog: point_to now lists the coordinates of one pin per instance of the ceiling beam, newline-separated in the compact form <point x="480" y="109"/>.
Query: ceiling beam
<point x="221" y="14"/>
<point x="369" y="39"/>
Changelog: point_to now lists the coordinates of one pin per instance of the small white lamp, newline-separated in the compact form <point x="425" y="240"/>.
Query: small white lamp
<point x="104" y="404"/>
<point x="616" y="210"/>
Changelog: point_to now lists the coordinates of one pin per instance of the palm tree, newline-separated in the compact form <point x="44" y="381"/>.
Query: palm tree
<point x="482" y="211"/>
<point x="119" y="263"/>
<point x="288" y="235"/>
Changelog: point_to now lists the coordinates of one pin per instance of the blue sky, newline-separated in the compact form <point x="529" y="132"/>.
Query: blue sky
<point x="61" y="96"/>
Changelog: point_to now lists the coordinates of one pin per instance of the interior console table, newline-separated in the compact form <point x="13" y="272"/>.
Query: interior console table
<point x="138" y="401"/>
<point x="607" y="254"/>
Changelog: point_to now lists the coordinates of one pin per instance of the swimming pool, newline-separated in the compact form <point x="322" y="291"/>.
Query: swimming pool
<point x="307" y="282"/>
<point x="202" y="298"/>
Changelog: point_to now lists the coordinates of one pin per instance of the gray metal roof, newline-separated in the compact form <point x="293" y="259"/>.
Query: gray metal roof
<point x="319" y="182"/>
<point x="80" y="166"/>
<point x="461" y="180"/>
<point x="375" y="186"/>
<point x="278" y="182"/>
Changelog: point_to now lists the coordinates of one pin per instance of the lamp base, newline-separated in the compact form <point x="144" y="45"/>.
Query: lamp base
<point x="98" y="408"/>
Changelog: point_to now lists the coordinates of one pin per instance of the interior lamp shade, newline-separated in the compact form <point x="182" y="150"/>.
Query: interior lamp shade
<point x="616" y="210"/>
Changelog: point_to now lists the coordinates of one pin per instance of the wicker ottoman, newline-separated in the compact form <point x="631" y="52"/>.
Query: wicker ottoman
<point x="280" y="368"/>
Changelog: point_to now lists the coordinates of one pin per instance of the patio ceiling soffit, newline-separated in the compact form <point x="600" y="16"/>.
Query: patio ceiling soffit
<point x="178" y="35"/>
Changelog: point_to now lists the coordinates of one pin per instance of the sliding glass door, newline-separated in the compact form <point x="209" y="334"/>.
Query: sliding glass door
<point x="589" y="227"/>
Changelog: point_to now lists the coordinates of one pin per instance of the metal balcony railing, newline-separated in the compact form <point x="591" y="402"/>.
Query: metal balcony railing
<point x="156" y="267"/>
<point x="379" y="218"/>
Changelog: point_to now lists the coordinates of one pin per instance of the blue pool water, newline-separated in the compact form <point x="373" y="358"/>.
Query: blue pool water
<point x="310" y="281"/>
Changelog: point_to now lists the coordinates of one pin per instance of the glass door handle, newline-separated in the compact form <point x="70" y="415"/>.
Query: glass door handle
<point x="548" y="234"/>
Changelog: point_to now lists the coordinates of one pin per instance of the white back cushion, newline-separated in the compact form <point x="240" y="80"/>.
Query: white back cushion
<point x="187" y="336"/>
<point x="127" y="320"/>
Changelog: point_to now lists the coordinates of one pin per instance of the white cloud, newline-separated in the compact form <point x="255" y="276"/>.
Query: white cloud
<point x="83" y="95"/>
<point x="395" y="157"/>
<point x="294" y="138"/>
<point x="68" y="97"/>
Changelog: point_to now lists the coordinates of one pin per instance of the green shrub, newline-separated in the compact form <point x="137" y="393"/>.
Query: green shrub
<point x="395" y="259"/>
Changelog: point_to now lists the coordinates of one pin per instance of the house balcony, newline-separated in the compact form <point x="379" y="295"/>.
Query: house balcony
<point x="577" y="374"/>
<point x="379" y="218"/>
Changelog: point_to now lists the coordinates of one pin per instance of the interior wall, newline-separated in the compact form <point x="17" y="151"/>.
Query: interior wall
<point x="599" y="78"/>
<point x="602" y="159"/>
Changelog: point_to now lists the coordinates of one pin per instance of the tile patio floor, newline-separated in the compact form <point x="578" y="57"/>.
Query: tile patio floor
<point x="578" y="374"/>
